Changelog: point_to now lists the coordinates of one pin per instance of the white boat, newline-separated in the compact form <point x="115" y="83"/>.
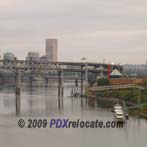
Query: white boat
<point x="75" y="92"/>
<point x="118" y="113"/>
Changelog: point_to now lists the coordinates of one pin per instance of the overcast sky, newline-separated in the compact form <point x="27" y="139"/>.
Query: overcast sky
<point x="113" y="30"/>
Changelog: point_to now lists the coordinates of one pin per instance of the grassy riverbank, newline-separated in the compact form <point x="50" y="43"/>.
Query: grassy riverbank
<point x="129" y="96"/>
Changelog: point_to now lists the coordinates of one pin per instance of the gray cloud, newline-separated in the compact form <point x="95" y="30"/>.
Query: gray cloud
<point x="111" y="29"/>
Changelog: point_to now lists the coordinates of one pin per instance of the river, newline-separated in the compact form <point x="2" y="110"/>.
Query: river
<point x="42" y="102"/>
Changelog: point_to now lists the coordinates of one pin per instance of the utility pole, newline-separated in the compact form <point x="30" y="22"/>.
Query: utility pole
<point x="86" y="70"/>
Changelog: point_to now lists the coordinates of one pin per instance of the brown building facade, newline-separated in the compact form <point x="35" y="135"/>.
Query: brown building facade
<point x="123" y="81"/>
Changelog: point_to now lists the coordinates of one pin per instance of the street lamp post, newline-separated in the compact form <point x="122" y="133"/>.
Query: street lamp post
<point x="86" y="70"/>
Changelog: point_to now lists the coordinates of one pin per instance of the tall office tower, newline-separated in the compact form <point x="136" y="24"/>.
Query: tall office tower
<point x="52" y="50"/>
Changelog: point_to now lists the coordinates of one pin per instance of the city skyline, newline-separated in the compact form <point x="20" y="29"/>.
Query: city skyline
<point x="112" y="30"/>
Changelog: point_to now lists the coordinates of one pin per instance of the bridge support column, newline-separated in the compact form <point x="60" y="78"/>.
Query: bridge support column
<point x="82" y="84"/>
<point x="59" y="83"/>
<point x="60" y="90"/>
<point x="18" y="91"/>
<point x="62" y="83"/>
<point x="76" y="82"/>
<point x="31" y="81"/>
<point x="46" y="81"/>
<point x="60" y="105"/>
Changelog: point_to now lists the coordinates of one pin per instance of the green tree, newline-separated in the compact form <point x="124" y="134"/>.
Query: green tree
<point x="103" y="82"/>
<point x="92" y="79"/>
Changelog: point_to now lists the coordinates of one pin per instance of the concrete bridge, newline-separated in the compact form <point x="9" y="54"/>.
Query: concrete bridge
<point x="57" y="64"/>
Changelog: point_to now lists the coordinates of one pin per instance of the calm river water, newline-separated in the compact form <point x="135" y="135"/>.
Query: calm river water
<point x="42" y="102"/>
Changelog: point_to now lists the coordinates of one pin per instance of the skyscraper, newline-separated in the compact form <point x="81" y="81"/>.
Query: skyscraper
<point x="52" y="50"/>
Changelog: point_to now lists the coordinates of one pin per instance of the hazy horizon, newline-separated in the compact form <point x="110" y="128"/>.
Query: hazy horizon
<point x="113" y="30"/>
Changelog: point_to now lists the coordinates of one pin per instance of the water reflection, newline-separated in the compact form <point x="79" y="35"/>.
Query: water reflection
<point x="42" y="100"/>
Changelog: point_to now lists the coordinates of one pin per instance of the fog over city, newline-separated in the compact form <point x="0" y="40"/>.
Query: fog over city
<point x="113" y="30"/>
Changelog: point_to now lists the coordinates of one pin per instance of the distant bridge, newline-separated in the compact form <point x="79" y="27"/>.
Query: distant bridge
<point x="33" y="69"/>
<point x="57" y="66"/>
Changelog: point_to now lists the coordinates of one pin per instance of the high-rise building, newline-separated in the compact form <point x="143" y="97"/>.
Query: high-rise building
<point x="52" y="50"/>
<point x="9" y="56"/>
<point x="43" y="58"/>
<point x="33" y="56"/>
